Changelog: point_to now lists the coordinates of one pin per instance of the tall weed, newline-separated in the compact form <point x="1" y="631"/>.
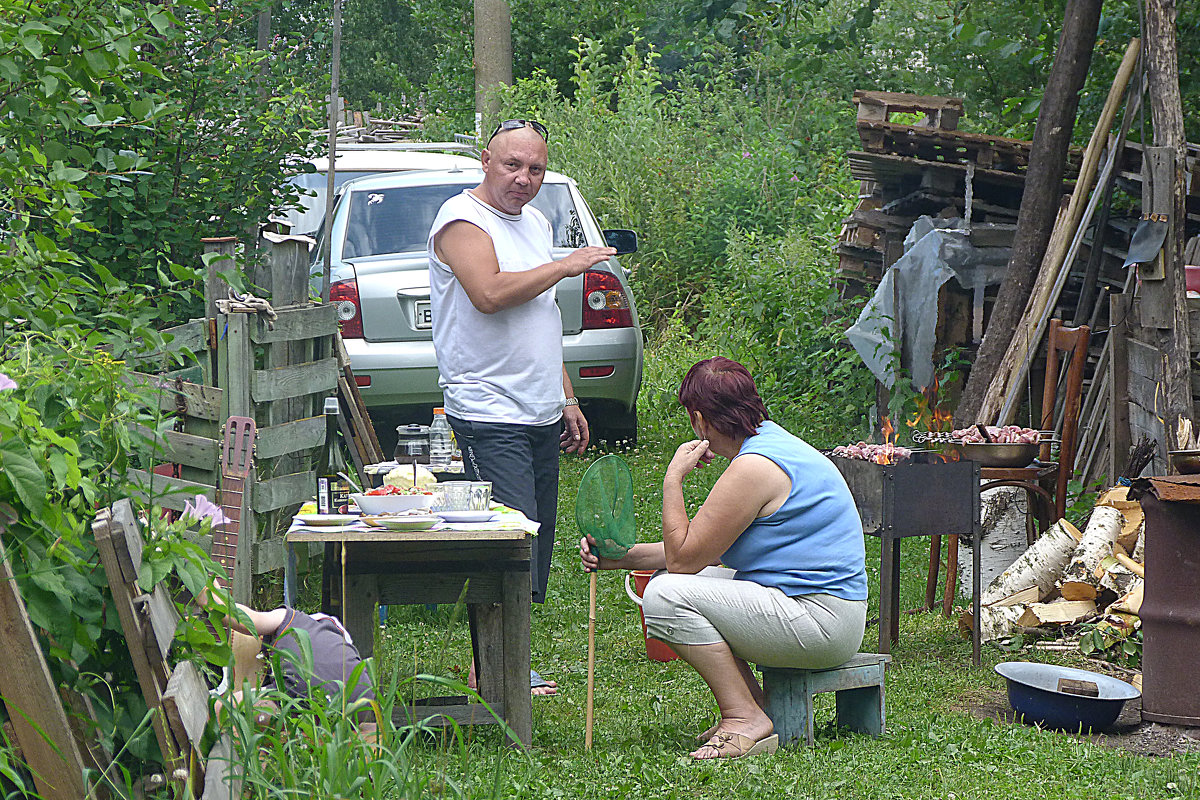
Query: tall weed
<point x="779" y="314"/>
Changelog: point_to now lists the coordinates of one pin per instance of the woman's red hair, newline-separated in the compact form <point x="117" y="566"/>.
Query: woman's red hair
<point x="724" y="393"/>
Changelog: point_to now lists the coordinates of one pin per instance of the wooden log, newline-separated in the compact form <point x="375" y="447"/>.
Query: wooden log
<point x="1040" y="565"/>
<point x="1060" y="612"/>
<point x="995" y="622"/>
<point x="1030" y="594"/>
<point x="1079" y="581"/>
<point x="1116" y="576"/>
<point x="1131" y="603"/>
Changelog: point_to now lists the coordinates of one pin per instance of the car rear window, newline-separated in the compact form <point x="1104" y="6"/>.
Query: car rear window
<point x="386" y="221"/>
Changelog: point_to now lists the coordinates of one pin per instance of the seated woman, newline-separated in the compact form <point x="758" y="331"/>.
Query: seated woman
<point x="782" y="521"/>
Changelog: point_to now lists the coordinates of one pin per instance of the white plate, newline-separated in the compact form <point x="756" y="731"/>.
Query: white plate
<point x="403" y="522"/>
<point x="327" y="519"/>
<point x="467" y="516"/>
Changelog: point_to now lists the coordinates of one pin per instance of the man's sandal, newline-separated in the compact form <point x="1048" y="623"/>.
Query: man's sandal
<point x="735" y="745"/>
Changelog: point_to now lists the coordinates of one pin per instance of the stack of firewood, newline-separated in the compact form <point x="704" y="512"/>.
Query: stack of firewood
<point x="1067" y="577"/>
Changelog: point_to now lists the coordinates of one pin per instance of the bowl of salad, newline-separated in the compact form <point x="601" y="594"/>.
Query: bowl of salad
<point x="390" y="499"/>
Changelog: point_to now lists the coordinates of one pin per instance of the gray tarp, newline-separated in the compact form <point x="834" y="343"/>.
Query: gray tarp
<point x="935" y="251"/>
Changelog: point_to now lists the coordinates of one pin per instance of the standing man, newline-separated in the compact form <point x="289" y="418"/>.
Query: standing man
<point x="498" y="335"/>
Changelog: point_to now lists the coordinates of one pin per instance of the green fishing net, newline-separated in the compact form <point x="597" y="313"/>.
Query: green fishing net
<point x="604" y="506"/>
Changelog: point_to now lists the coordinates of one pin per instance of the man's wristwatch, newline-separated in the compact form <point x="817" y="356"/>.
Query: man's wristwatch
<point x="572" y="401"/>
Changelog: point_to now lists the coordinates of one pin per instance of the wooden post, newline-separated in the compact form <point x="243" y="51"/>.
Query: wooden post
<point x="215" y="287"/>
<point x="34" y="708"/>
<point x="1164" y="302"/>
<point x="334" y="79"/>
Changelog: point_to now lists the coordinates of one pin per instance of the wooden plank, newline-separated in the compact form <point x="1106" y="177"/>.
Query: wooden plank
<point x="283" y="491"/>
<point x="185" y="702"/>
<point x="1145" y="392"/>
<point x="440" y="588"/>
<point x="223" y="773"/>
<point x="178" y="396"/>
<point x="463" y="714"/>
<point x="1119" y="438"/>
<point x="515" y="622"/>
<point x="169" y="492"/>
<point x="164" y="620"/>
<point x="34" y="709"/>
<point x="269" y="555"/>
<point x="106" y="531"/>
<point x="285" y="382"/>
<point x="297" y="323"/>
<point x="198" y="452"/>
<point x="290" y="437"/>
<point x="128" y="543"/>
<point x="1145" y="360"/>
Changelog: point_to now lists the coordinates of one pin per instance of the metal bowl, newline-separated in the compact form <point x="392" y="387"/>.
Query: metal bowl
<point x="996" y="455"/>
<point x="1033" y="693"/>
<point x="1186" y="462"/>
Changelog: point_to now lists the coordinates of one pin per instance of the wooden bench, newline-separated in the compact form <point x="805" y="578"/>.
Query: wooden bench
<point x="858" y="685"/>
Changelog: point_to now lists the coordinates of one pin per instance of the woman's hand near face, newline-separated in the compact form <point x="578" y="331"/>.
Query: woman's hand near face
<point x="688" y="457"/>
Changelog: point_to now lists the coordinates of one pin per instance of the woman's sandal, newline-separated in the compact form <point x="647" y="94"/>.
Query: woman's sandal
<point x="735" y="745"/>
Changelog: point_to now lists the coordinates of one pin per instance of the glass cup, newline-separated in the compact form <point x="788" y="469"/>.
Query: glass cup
<point x="456" y="496"/>
<point x="481" y="495"/>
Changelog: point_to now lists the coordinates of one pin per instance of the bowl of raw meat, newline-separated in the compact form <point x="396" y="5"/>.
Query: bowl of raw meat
<point x="1007" y="446"/>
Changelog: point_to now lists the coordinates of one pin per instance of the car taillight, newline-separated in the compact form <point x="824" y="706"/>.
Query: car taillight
<point x="605" y="304"/>
<point x="344" y="296"/>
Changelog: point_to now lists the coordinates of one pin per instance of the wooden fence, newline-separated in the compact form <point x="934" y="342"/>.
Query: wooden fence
<point x="275" y="369"/>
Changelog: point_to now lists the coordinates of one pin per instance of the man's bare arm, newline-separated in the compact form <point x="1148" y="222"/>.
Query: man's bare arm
<point x="469" y="252"/>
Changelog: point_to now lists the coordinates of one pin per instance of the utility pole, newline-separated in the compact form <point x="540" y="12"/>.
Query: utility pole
<point x="493" y="56"/>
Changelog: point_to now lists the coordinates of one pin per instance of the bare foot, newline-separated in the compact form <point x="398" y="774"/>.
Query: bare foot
<point x="753" y="729"/>
<point x="550" y="687"/>
<point x="708" y="734"/>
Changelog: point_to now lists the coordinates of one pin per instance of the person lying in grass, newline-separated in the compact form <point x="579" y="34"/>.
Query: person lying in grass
<point x="793" y="589"/>
<point x="334" y="658"/>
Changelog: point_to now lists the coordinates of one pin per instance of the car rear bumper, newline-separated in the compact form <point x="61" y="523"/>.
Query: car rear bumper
<point x="405" y="373"/>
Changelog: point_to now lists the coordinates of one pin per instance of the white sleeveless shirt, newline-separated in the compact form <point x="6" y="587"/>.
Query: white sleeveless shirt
<point x="503" y="367"/>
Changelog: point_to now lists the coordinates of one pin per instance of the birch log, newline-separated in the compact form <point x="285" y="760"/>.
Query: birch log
<point x="995" y="622"/>
<point x="1041" y="565"/>
<point x="1131" y="603"/>
<point x="1079" y="580"/>
<point x="1059" y="613"/>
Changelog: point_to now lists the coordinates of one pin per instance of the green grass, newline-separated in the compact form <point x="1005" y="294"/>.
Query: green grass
<point x="646" y="713"/>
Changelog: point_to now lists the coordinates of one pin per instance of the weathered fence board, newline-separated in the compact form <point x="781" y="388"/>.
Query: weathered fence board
<point x="199" y="452"/>
<point x="283" y="491"/>
<point x="179" y="396"/>
<point x="169" y="492"/>
<point x="297" y="323"/>
<point x="286" y="382"/>
<point x="290" y="437"/>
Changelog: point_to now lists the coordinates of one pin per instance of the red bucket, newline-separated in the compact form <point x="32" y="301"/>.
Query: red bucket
<point x="656" y="650"/>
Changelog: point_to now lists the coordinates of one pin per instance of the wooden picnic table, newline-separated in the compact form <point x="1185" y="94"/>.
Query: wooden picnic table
<point x="366" y="568"/>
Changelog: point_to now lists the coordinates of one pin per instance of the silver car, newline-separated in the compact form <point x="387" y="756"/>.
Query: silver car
<point x="379" y="280"/>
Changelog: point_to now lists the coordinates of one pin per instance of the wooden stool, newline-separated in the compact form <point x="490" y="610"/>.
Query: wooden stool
<point x="859" y="687"/>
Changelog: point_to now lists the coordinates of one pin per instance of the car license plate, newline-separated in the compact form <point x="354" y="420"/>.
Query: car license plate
<point x="424" y="315"/>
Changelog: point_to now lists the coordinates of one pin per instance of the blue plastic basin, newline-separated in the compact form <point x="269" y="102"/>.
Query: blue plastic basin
<point x="1033" y="693"/>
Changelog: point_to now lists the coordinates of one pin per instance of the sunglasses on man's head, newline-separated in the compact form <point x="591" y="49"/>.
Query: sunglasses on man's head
<point x="516" y="124"/>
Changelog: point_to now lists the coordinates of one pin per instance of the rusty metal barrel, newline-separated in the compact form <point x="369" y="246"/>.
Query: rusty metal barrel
<point x="1171" y="607"/>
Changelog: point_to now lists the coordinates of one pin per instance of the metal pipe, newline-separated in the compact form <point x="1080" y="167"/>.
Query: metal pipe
<point x="334" y="79"/>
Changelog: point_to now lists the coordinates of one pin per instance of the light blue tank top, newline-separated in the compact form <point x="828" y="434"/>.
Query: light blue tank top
<point x="813" y="543"/>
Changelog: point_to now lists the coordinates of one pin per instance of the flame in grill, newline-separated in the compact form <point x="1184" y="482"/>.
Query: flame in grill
<point x="887" y="453"/>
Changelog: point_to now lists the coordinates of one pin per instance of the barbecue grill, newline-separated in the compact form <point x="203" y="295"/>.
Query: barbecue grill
<point x="896" y="501"/>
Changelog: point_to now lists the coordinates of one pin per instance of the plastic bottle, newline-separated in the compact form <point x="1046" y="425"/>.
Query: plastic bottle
<point x="441" y="446"/>
<point x="333" y="489"/>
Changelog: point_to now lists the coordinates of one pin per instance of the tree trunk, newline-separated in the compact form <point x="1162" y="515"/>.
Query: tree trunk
<point x="1164" y="302"/>
<point x="493" y="55"/>
<point x="1040" y="201"/>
